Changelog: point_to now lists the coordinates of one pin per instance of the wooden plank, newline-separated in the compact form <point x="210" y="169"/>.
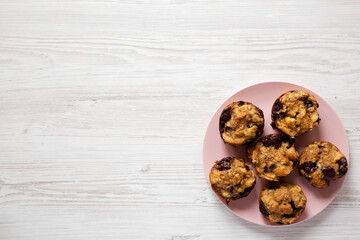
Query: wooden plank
<point x="104" y="106"/>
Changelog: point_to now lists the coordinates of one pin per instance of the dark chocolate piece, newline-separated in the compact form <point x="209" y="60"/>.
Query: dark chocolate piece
<point x="343" y="166"/>
<point x="275" y="111"/>
<point x="259" y="129"/>
<point x="309" y="167"/>
<point x="293" y="205"/>
<point x="246" y="192"/>
<point x="329" y="173"/>
<point x="262" y="209"/>
<point x="275" y="140"/>
<point x="289" y="215"/>
<point x="277" y="105"/>
<point x="304" y="98"/>
<point x="228" y="129"/>
<point x="240" y="103"/>
<point x="224" y="117"/>
<point x="272" y="166"/>
<point x="223" y="164"/>
<point x="307" y="102"/>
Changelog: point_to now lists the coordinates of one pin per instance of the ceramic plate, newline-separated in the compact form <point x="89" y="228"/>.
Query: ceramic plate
<point x="263" y="95"/>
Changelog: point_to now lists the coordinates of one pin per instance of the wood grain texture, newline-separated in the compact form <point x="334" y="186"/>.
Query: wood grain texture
<point x="104" y="106"/>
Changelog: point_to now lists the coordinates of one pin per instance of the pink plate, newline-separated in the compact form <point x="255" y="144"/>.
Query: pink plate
<point x="263" y="95"/>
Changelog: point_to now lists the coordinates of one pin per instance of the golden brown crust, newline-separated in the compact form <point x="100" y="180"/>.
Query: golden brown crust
<point x="241" y="123"/>
<point x="274" y="156"/>
<point x="321" y="162"/>
<point x="295" y="113"/>
<point x="232" y="178"/>
<point x="282" y="203"/>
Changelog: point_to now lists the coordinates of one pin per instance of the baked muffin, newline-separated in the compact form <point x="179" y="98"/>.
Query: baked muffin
<point x="321" y="162"/>
<point x="295" y="113"/>
<point x="274" y="156"/>
<point x="240" y="123"/>
<point x="282" y="203"/>
<point x="231" y="178"/>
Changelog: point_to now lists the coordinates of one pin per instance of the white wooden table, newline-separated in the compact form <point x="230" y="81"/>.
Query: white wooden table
<point x="104" y="106"/>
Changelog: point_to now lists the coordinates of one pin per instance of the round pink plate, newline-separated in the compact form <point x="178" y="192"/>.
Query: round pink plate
<point x="263" y="95"/>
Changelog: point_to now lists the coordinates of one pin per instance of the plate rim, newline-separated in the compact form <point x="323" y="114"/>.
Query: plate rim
<point x="264" y="83"/>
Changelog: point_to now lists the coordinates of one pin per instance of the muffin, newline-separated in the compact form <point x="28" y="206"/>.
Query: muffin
<point x="231" y="178"/>
<point x="295" y="113"/>
<point x="321" y="162"/>
<point x="282" y="203"/>
<point x="241" y="123"/>
<point x="274" y="156"/>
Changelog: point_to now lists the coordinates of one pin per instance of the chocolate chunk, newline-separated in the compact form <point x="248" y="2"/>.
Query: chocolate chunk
<point x="304" y="98"/>
<point x="293" y="205"/>
<point x="240" y="103"/>
<point x="273" y="140"/>
<point x="242" y="194"/>
<point x="317" y="105"/>
<point x="266" y="141"/>
<point x="318" y="120"/>
<point x="309" y="167"/>
<point x="228" y="129"/>
<point x="342" y="161"/>
<point x="282" y="114"/>
<point x="231" y="189"/>
<point x="307" y="102"/>
<point x="246" y="192"/>
<point x="272" y="166"/>
<point x="343" y="166"/>
<point x="262" y="209"/>
<point x="280" y="223"/>
<point x="259" y="130"/>
<point x="260" y="127"/>
<point x="223" y="164"/>
<point x="289" y="145"/>
<point x="275" y="116"/>
<point x="277" y="105"/>
<point x="289" y="215"/>
<point x="224" y="117"/>
<point x="329" y="173"/>
<point x="247" y="167"/>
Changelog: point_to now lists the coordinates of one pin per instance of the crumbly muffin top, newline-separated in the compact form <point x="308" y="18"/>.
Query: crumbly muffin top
<point x="232" y="178"/>
<point x="282" y="203"/>
<point x="273" y="156"/>
<point x="321" y="162"/>
<point x="240" y="123"/>
<point x="295" y="113"/>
